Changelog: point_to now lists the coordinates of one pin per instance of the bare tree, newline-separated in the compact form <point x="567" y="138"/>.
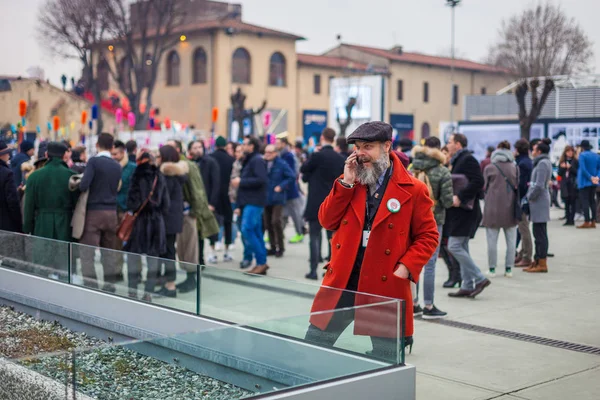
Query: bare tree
<point x="142" y="32"/>
<point x="537" y="103"/>
<point x="542" y="41"/>
<point x="344" y="125"/>
<point x="36" y="72"/>
<point x="69" y="28"/>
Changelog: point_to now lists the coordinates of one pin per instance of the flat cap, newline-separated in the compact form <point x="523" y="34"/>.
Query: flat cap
<point x="374" y="131"/>
<point x="56" y="149"/>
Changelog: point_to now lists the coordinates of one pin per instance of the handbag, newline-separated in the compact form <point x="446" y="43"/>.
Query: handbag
<point x="126" y="225"/>
<point x="459" y="182"/>
<point x="517" y="210"/>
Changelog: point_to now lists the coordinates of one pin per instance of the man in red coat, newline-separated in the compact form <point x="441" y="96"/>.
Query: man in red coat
<point x="385" y="234"/>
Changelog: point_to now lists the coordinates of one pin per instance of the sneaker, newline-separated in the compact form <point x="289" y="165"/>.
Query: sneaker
<point x="417" y="310"/>
<point x="491" y="272"/>
<point x="218" y="246"/>
<point x="297" y="239"/>
<point x="246" y="264"/>
<point x="227" y="257"/>
<point x="508" y="273"/>
<point x="231" y="247"/>
<point x="433" y="313"/>
<point x="212" y="259"/>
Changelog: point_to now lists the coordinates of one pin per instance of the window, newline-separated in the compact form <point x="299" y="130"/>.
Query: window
<point x="173" y="69"/>
<point x="317" y="84"/>
<point x="455" y="94"/>
<point x="329" y="84"/>
<point x="400" y="90"/>
<point x="240" y="67"/>
<point x="425" y="92"/>
<point x="483" y="90"/>
<point x="102" y="74"/>
<point x="425" y="130"/>
<point x="199" y="66"/>
<point x="125" y="72"/>
<point x="277" y="70"/>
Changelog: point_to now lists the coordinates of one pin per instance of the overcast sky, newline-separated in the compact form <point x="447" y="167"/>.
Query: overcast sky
<point x="418" y="25"/>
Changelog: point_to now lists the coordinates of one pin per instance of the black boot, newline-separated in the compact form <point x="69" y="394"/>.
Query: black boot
<point x="189" y="284"/>
<point x="455" y="279"/>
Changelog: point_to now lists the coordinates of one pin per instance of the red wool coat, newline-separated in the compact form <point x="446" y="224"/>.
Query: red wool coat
<point x="409" y="236"/>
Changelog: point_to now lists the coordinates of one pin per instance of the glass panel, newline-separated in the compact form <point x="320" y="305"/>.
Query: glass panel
<point x="232" y="362"/>
<point x="39" y="256"/>
<point x="135" y="276"/>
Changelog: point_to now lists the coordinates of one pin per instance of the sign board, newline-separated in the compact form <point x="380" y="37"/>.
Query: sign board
<point x="481" y="136"/>
<point x="403" y="125"/>
<point x="313" y="123"/>
<point x="563" y="134"/>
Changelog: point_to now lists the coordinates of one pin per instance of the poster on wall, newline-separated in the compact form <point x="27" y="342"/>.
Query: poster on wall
<point x="313" y="123"/>
<point x="563" y="134"/>
<point x="403" y="125"/>
<point x="482" y="136"/>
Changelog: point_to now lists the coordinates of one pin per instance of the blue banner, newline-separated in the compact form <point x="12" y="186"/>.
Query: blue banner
<point x="402" y="123"/>
<point x="313" y="123"/>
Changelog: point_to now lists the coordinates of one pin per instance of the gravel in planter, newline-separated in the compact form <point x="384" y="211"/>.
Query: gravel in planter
<point x="105" y="372"/>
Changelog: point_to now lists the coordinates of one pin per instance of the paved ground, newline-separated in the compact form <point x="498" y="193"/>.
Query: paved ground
<point x="454" y="363"/>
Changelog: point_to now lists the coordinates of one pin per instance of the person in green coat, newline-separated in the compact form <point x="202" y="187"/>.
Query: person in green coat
<point x="48" y="210"/>
<point x="49" y="203"/>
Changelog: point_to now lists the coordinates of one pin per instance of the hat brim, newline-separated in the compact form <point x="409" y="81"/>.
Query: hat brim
<point x="5" y="151"/>
<point x="354" y="140"/>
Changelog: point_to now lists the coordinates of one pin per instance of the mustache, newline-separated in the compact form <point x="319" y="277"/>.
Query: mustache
<point x="363" y="159"/>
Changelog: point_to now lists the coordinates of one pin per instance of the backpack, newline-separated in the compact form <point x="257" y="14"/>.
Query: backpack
<point x="422" y="176"/>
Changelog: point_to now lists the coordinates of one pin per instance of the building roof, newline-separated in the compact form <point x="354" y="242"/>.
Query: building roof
<point x="237" y="26"/>
<point x="332" y="62"/>
<point x="424" y="59"/>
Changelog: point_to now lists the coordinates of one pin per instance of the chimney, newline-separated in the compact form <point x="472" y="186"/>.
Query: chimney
<point x="397" y="50"/>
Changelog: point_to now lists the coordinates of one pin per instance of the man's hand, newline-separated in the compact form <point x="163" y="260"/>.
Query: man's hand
<point x="456" y="202"/>
<point x="211" y="208"/>
<point x="595" y="180"/>
<point x="235" y="182"/>
<point x="401" y="272"/>
<point x="277" y="189"/>
<point x="350" y="169"/>
<point x="563" y="165"/>
<point x="237" y="212"/>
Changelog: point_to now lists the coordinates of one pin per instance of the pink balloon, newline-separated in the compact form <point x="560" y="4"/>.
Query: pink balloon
<point x="131" y="119"/>
<point x="119" y="115"/>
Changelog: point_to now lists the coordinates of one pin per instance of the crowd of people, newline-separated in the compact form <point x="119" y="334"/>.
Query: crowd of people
<point x="183" y="195"/>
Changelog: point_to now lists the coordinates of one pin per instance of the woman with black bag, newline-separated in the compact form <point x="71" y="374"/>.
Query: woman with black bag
<point x="148" y="195"/>
<point x="567" y="171"/>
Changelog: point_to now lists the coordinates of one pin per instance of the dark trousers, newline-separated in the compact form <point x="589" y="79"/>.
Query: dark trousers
<point x="588" y="202"/>
<point x="382" y="347"/>
<point x="228" y="227"/>
<point x="316" y="238"/>
<point x="273" y="223"/>
<point x="570" y="207"/>
<point x="170" y="273"/>
<point x="540" y="237"/>
<point x="100" y="231"/>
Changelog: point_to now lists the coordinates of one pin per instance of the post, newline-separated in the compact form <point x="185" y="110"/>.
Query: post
<point x="453" y="6"/>
<point x="198" y="271"/>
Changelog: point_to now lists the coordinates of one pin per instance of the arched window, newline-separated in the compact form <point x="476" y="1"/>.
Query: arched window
<point x="173" y="69"/>
<point x="125" y="71"/>
<point x="425" y="130"/>
<point x="240" y="66"/>
<point x="199" y="66"/>
<point x="102" y="74"/>
<point x="277" y="70"/>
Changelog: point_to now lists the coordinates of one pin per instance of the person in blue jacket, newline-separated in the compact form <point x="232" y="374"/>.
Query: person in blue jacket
<point x="281" y="177"/>
<point x="587" y="181"/>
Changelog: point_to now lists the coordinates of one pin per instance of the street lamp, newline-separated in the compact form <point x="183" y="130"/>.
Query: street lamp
<point x="452" y="4"/>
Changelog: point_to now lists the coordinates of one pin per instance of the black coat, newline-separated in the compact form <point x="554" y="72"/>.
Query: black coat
<point x="149" y="233"/>
<point x="462" y="222"/>
<point x="320" y="172"/>
<point x="10" y="210"/>
<point x="568" y="184"/>
<point x="176" y="175"/>
<point x="225" y="162"/>
<point x="209" y="169"/>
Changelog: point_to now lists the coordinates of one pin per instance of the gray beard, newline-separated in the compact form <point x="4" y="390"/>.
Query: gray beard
<point x="369" y="176"/>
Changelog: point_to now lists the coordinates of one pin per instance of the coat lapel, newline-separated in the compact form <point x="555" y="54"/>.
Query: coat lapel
<point x="359" y="203"/>
<point x="394" y="190"/>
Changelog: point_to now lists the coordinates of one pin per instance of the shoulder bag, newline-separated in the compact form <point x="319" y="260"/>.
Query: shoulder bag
<point x="126" y="226"/>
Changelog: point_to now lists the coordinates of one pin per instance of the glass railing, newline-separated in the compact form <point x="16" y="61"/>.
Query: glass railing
<point x="231" y="362"/>
<point x="262" y="303"/>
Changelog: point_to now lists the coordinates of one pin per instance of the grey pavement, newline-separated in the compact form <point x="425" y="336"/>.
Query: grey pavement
<point x="454" y="363"/>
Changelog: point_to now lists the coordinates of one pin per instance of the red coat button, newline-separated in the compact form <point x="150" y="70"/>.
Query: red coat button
<point x="337" y="246"/>
<point x="387" y="252"/>
<point x="384" y="278"/>
<point x="391" y="226"/>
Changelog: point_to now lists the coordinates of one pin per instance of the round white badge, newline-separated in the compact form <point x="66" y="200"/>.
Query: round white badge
<point x="393" y="205"/>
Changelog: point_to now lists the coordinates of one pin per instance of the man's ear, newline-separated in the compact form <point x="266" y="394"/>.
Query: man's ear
<point x="387" y="146"/>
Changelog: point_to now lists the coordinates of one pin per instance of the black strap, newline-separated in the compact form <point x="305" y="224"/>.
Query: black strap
<point x="515" y="188"/>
